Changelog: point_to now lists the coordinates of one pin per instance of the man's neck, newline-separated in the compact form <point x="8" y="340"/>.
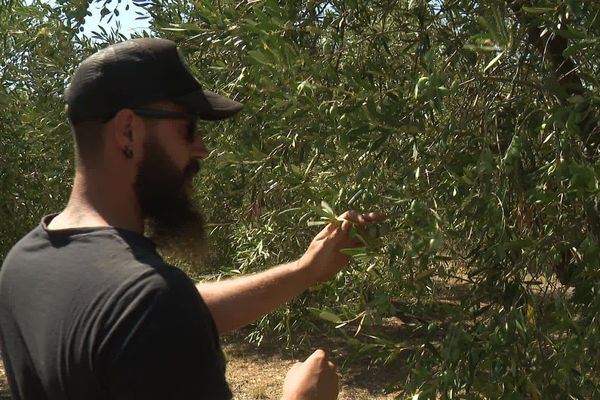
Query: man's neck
<point x="100" y="203"/>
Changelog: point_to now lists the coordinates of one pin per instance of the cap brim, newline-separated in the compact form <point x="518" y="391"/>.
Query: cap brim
<point x="209" y="105"/>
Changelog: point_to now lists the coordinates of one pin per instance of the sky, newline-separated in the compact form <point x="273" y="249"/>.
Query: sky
<point x="127" y="18"/>
<point x="129" y="24"/>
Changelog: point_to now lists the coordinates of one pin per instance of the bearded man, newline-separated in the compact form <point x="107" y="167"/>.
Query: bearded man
<point x="88" y="308"/>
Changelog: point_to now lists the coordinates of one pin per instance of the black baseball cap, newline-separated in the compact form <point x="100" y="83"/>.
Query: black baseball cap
<point x="137" y="72"/>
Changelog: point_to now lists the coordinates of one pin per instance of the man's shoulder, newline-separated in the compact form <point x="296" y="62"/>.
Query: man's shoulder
<point x="91" y="259"/>
<point x="25" y="245"/>
<point x="24" y="242"/>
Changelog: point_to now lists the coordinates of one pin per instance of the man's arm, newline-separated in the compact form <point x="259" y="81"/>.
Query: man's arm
<point x="237" y="302"/>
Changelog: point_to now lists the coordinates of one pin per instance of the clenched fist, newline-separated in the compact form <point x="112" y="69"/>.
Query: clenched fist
<point x="314" y="379"/>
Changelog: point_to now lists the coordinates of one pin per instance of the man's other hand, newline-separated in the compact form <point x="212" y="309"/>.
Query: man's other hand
<point x="314" y="379"/>
<point x="323" y="257"/>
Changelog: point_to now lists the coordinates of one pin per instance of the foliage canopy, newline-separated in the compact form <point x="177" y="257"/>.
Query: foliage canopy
<point x="473" y="124"/>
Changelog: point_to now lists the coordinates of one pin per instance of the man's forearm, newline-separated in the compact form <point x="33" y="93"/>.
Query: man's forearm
<point x="237" y="302"/>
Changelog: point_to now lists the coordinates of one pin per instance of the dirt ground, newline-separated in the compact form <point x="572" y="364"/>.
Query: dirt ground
<point x="257" y="373"/>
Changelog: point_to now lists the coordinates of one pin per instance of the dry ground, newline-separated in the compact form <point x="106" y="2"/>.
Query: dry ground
<point x="258" y="373"/>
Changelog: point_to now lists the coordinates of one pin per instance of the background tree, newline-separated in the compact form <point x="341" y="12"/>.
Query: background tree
<point x="473" y="124"/>
<point x="40" y="48"/>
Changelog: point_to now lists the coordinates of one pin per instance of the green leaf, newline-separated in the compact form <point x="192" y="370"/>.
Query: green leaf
<point x="572" y="49"/>
<point x="571" y="33"/>
<point x="425" y="274"/>
<point x="354" y="251"/>
<point x="316" y="223"/>
<point x="260" y="57"/>
<point x="422" y="80"/>
<point x="537" y="10"/>
<point x="355" y="197"/>
<point x="494" y="61"/>
<point x="513" y="153"/>
<point x="327" y="208"/>
<point x="326" y="315"/>
<point x="4" y="98"/>
<point x="173" y="29"/>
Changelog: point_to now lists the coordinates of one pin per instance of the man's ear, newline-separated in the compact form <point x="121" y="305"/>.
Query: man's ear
<point x="122" y="131"/>
<point x="123" y="126"/>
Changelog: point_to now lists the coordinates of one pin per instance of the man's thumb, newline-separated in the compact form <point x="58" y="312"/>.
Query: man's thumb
<point x="319" y="355"/>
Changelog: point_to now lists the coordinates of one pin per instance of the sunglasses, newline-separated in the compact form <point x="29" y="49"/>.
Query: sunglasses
<point x="162" y="114"/>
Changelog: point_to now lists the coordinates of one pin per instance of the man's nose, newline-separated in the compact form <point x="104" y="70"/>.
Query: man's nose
<point x="199" y="150"/>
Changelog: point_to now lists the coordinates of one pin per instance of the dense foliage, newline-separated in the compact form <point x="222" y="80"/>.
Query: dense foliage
<point x="473" y="124"/>
<point x="40" y="48"/>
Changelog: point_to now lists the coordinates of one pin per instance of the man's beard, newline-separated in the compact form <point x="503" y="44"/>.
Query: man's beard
<point x="162" y="190"/>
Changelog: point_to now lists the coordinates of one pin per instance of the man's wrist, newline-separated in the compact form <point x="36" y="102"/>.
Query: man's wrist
<point x="304" y="272"/>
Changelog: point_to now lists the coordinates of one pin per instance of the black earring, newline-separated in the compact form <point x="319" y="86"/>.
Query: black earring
<point x="128" y="152"/>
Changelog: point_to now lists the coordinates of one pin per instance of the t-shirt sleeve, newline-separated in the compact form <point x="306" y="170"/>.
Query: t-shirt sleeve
<point x="164" y="345"/>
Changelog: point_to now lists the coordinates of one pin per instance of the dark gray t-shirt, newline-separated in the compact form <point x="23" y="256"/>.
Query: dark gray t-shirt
<point x="95" y="313"/>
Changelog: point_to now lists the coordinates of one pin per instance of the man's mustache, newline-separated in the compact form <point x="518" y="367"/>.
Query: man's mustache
<point x="192" y="169"/>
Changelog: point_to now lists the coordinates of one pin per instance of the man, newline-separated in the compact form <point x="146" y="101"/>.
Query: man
<point x="88" y="309"/>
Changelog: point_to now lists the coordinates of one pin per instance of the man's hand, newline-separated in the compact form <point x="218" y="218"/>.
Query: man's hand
<point x="314" y="379"/>
<point x="323" y="257"/>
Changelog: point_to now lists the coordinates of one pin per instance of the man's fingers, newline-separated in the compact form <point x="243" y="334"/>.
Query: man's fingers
<point x="332" y="366"/>
<point x="328" y="230"/>
<point x="346" y="225"/>
<point x="362" y="219"/>
<point x="374" y="216"/>
<point x="356" y="243"/>
<point x="351" y="216"/>
<point x="318" y="355"/>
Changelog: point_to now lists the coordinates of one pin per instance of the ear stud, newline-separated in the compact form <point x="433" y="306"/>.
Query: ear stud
<point x="127" y="152"/>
